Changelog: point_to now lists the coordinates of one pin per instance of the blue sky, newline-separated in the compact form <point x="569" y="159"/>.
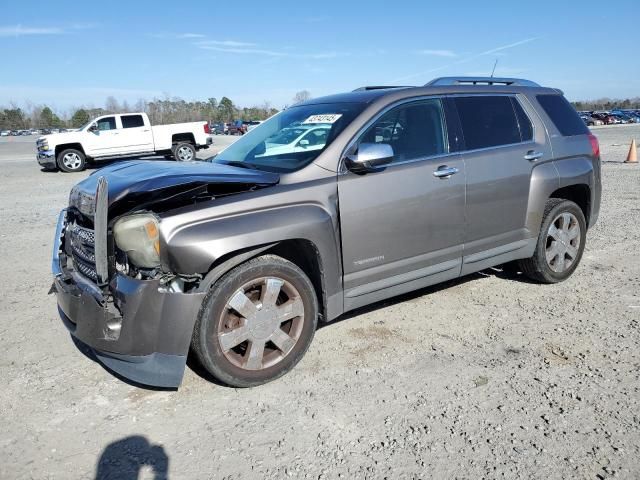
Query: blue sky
<point x="70" y="53"/>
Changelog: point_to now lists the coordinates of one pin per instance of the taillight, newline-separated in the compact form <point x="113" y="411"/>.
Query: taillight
<point x="206" y="128"/>
<point x="595" y="146"/>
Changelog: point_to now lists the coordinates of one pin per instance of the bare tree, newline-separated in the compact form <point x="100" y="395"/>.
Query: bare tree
<point x="111" y="105"/>
<point x="301" y="96"/>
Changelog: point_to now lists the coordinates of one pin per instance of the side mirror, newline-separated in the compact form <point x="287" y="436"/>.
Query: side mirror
<point x="304" y="143"/>
<point x="370" y="157"/>
<point x="93" y="127"/>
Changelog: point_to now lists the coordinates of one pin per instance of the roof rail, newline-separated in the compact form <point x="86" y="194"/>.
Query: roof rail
<point x="379" y="87"/>
<point x="515" y="82"/>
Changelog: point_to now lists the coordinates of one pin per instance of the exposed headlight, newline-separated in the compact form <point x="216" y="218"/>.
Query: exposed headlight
<point x="139" y="237"/>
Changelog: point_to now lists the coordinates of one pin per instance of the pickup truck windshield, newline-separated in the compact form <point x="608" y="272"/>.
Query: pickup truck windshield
<point x="291" y="139"/>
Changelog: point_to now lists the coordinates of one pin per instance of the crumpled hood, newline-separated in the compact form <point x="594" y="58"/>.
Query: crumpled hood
<point x="148" y="179"/>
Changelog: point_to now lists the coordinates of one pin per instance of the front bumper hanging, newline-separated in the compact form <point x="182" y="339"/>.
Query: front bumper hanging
<point x="137" y="328"/>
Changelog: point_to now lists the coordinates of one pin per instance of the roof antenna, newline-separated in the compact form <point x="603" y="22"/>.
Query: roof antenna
<point x="494" y="68"/>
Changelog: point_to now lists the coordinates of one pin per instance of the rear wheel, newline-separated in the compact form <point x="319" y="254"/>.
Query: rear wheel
<point x="184" y="152"/>
<point x="257" y="322"/>
<point x="560" y="244"/>
<point x="71" y="160"/>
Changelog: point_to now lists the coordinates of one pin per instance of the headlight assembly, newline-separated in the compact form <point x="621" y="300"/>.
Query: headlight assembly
<point x="138" y="236"/>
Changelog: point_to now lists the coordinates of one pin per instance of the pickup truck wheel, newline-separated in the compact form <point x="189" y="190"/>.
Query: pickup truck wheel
<point x="71" y="160"/>
<point x="560" y="243"/>
<point x="256" y="323"/>
<point x="184" y="152"/>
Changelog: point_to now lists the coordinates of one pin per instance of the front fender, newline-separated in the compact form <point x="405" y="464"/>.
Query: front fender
<point x="194" y="248"/>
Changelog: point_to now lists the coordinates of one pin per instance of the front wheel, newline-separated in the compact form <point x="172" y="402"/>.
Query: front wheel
<point x="560" y="244"/>
<point x="257" y="322"/>
<point x="184" y="152"/>
<point x="71" y="160"/>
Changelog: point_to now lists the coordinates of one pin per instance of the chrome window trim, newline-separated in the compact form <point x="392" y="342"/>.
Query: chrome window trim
<point x="342" y="169"/>
<point x="484" y="149"/>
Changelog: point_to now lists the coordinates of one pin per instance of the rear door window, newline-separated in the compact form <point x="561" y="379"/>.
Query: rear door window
<point x="487" y="121"/>
<point x="563" y="115"/>
<point x="132" y="121"/>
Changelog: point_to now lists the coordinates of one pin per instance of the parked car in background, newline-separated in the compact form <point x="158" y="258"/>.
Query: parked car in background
<point x="236" y="128"/>
<point x="625" y="117"/>
<point x="4" y="133"/>
<point x="590" y="121"/>
<point x="606" y="118"/>
<point x="218" y="128"/>
<point x="240" y="259"/>
<point x="128" y="134"/>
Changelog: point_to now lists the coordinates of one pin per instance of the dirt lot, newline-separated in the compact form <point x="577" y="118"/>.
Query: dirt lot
<point x="486" y="377"/>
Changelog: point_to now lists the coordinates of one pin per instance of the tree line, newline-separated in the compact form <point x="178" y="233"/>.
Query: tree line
<point x="607" y="104"/>
<point x="176" y="110"/>
<point x="160" y="111"/>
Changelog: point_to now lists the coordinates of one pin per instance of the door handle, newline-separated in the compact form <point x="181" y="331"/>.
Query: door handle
<point x="444" y="171"/>
<point x="532" y="155"/>
<point x="145" y="130"/>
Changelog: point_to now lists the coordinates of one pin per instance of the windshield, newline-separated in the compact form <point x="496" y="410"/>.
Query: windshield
<point x="291" y="139"/>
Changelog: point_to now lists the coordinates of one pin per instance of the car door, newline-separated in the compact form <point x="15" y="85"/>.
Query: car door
<point x="501" y="147"/>
<point x="402" y="226"/>
<point x="106" y="140"/>
<point x="136" y="137"/>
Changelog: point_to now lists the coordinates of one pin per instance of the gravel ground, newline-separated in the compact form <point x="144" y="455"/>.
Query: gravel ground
<point x="489" y="376"/>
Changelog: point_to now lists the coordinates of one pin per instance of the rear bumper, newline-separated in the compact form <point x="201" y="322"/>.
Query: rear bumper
<point x="136" y="328"/>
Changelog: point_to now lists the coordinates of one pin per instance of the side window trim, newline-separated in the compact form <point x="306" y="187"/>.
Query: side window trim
<point x="445" y="124"/>
<point x="463" y="147"/>
<point x="515" y="100"/>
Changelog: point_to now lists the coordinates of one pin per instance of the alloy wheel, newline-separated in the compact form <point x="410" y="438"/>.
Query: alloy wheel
<point x="72" y="161"/>
<point x="261" y="323"/>
<point x="563" y="242"/>
<point x="184" y="154"/>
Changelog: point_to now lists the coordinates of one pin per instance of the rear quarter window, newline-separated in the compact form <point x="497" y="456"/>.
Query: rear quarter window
<point x="563" y="115"/>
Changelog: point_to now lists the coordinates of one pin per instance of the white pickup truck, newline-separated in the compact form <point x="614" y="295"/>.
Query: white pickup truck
<point x="121" y="135"/>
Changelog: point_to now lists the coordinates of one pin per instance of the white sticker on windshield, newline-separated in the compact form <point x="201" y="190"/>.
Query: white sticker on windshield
<point x="324" y="118"/>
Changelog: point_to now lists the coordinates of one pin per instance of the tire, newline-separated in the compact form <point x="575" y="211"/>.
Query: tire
<point x="184" y="152"/>
<point x="279" y="345"/>
<point x="559" y="249"/>
<point x="71" y="160"/>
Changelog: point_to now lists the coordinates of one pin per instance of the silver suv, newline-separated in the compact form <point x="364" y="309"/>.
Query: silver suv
<point x="330" y="205"/>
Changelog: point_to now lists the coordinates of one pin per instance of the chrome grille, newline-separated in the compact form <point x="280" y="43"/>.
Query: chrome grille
<point x="82" y="241"/>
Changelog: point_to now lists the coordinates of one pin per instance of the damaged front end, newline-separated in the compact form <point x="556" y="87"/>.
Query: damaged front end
<point x="114" y="292"/>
